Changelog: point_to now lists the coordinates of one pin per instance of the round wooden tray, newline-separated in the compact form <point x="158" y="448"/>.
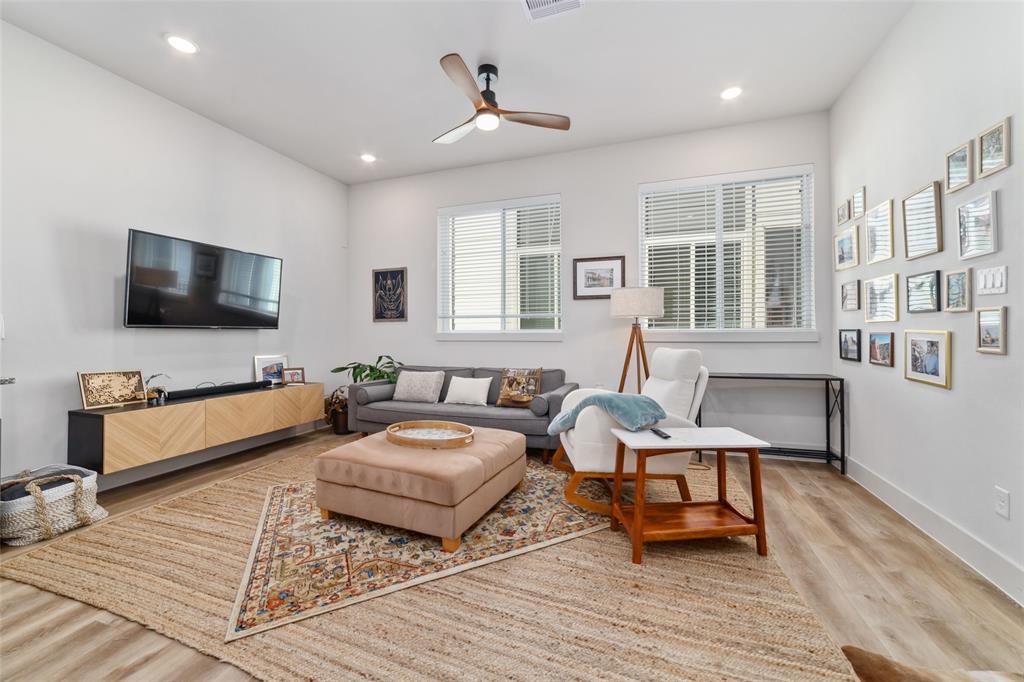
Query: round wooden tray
<point x="433" y="435"/>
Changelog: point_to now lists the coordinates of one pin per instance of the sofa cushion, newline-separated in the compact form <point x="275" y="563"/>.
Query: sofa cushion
<point x="467" y="391"/>
<point x="511" y="418"/>
<point x="518" y="386"/>
<point x="419" y="387"/>
<point x="449" y="372"/>
<point x="550" y="379"/>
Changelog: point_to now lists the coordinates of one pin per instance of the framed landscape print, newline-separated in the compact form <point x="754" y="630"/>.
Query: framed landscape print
<point x="956" y="286"/>
<point x="923" y="292"/>
<point x="111" y="389"/>
<point x="880" y="348"/>
<point x="596" y="277"/>
<point x="881" y="299"/>
<point x="390" y="295"/>
<point x="878" y="232"/>
<point x="843" y="212"/>
<point x="994" y="149"/>
<point x="849" y="344"/>
<point x="927" y="357"/>
<point x="922" y="222"/>
<point x="960" y="167"/>
<point x="850" y="296"/>
<point x="269" y="367"/>
<point x="858" y="202"/>
<point x="847" y="250"/>
<point x="976" y="223"/>
<point x="990" y="330"/>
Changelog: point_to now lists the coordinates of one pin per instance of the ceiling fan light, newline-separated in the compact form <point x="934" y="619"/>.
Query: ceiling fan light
<point x="487" y="120"/>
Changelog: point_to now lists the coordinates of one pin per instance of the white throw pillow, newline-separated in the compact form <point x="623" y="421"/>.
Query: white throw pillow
<point x="419" y="387"/>
<point x="467" y="391"/>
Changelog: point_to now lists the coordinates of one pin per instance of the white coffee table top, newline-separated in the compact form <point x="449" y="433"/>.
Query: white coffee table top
<point x="707" y="438"/>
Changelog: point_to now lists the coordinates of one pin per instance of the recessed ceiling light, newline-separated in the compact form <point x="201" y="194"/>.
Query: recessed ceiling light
<point x="181" y="44"/>
<point x="732" y="93"/>
<point x="368" y="158"/>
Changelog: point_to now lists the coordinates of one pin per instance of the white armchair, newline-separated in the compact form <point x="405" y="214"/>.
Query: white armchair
<point x="677" y="382"/>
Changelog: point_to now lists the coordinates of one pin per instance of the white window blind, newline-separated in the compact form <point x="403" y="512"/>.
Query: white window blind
<point x="731" y="253"/>
<point x="499" y="266"/>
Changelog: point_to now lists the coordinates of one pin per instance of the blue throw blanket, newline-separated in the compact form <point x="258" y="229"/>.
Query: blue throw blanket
<point x="634" y="412"/>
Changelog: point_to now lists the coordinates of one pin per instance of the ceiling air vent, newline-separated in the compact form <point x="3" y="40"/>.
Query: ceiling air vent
<point x="542" y="9"/>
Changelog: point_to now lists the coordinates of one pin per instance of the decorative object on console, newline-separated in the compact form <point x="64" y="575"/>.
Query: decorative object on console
<point x="878" y="233"/>
<point x="881" y="299"/>
<point x="293" y="375"/>
<point x="849" y="344"/>
<point x="156" y="395"/>
<point x="385" y="367"/>
<point x="991" y="281"/>
<point x="859" y="202"/>
<point x="923" y="292"/>
<point x="960" y="167"/>
<point x="111" y="389"/>
<point x="849" y="294"/>
<point x="990" y="330"/>
<point x="468" y="391"/>
<point x="594" y="278"/>
<point x="956" y="285"/>
<point x="418" y="387"/>
<point x="927" y="357"/>
<point x="994" y="149"/>
<point x="976" y="220"/>
<point x="847" y="249"/>
<point x="922" y="222"/>
<point x="637" y="302"/>
<point x="390" y="295"/>
<point x="269" y="367"/>
<point x="880" y="348"/>
<point x="518" y="386"/>
<point x="432" y="435"/>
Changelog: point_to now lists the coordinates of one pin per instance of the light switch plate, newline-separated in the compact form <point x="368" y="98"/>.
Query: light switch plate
<point x="1003" y="502"/>
<point x="990" y="281"/>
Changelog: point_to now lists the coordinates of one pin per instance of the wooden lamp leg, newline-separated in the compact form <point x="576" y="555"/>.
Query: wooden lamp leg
<point x="636" y="338"/>
<point x="629" y="353"/>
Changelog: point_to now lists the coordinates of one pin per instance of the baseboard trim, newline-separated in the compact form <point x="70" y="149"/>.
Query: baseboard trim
<point x="998" y="569"/>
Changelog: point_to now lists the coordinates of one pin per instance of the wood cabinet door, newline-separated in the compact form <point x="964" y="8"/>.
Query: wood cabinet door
<point x="294" y="405"/>
<point x="138" y="437"/>
<point x="236" y="417"/>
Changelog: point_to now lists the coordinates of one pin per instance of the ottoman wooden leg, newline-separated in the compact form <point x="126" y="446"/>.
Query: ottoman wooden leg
<point x="325" y="513"/>
<point x="450" y="544"/>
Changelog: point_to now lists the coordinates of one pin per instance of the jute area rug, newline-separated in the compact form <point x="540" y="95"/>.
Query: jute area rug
<point x="707" y="610"/>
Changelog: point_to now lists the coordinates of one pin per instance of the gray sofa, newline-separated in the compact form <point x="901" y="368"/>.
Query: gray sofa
<point x="371" y="409"/>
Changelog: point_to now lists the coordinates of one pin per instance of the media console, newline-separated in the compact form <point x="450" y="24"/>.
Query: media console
<point x="117" y="438"/>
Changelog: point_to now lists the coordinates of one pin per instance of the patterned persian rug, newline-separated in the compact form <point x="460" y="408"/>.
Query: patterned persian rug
<point x="302" y="566"/>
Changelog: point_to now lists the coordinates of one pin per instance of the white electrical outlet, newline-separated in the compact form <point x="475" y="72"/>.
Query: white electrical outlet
<point x="1003" y="502"/>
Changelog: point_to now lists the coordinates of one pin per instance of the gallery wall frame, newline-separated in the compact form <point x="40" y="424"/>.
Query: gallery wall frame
<point x="960" y="167"/>
<point x="956" y="290"/>
<point x="849" y="345"/>
<point x="846" y="248"/>
<point x="927" y="357"/>
<point x="878" y="233"/>
<point x="849" y="296"/>
<point x="990" y="330"/>
<point x="922" y="221"/>
<point x="978" y="226"/>
<point x="994" y="149"/>
<point x="881" y="348"/>
<point x="843" y="212"/>
<point x="923" y="292"/>
<point x="858" y="202"/>
<point x="882" y="299"/>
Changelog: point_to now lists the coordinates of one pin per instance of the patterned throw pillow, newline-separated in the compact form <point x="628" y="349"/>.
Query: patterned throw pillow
<point x="518" y="386"/>
<point x="419" y="387"/>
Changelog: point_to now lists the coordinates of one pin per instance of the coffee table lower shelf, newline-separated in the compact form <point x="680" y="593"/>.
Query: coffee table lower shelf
<point x="685" y="520"/>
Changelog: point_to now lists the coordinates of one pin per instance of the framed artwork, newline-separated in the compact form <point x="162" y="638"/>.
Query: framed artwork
<point x="994" y="149"/>
<point x="922" y="221"/>
<point x="923" y="292"/>
<point x="390" y="295"/>
<point x="849" y="294"/>
<point x="858" y="202"/>
<point x="960" y="167"/>
<point x="991" y="281"/>
<point x="956" y="287"/>
<point x="881" y="299"/>
<point x="596" y="277"/>
<point x="847" y="250"/>
<point x="927" y="357"/>
<point x="990" y="330"/>
<point x="849" y="344"/>
<point x="293" y="375"/>
<point x="269" y="367"/>
<point x="976" y="221"/>
<point x="111" y="389"/>
<point x="843" y="212"/>
<point x="880" y="348"/>
<point x="878" y="232"/>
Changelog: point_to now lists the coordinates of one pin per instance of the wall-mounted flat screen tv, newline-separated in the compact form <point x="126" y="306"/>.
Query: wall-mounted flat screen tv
<point x="174" y="282"/>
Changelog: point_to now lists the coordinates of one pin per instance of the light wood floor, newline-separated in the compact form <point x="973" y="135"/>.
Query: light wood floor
<point x="872" y="578"/>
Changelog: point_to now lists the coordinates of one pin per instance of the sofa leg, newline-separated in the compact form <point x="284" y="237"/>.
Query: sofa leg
<point x="450" y="544"/>
<point x="325" y="513"/>
<point x="572" y="495"/>
<point x="545" y="455"/>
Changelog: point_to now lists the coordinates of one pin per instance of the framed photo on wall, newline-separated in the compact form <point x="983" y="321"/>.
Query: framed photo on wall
<point x="976" y="222"/>
<point x="858" y="202"/>
<point x="960" y="167"/>
<point x="994" y="149"/>
<point x="881" y="299"/>
<point x="956" y="287"/>
<point x="880" y="348"/>
<point x="847" y="249"/>
<point x="596" y="277"/>
<point x="849" y="296"/>
<point x="390" y="294"/>
<point x="849" y="344"/>
<point x="843" y="212"/>
<point x="878" y="232"/>
<point x="923" y="292"/>
<point x="927" y="357"/>
<point x="990" y="330"/>
<point x="922" y="222"/>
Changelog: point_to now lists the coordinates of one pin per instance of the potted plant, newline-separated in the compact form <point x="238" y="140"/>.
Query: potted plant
<point x="336" y="406"/>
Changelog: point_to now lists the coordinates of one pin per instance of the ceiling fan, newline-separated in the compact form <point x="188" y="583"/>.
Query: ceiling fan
<point x="488" y="116"/>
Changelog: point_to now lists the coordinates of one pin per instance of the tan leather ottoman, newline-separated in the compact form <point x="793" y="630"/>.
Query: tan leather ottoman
<point x="435" y="492"/>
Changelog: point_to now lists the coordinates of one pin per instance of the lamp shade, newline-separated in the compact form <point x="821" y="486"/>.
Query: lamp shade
<point x="638" y="302"/>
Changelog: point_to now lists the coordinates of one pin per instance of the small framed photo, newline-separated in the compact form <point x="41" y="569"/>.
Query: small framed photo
<point x="976" y="221"/>
<point x="269" y="367"/>
<point x="922" y="221"/>
<point x="878" y="232"/>
<point x="850" y="296"/>
<point x="882" y="299"/>
<point x="880" y="348"/>
<point x="990" y="330"/>
<point x="956" y="287"/>
<point x="843" y="212"/>
<point x="293" y="375"/>
<point x="847" y="248"/>
<point x="849" y="344"/>
<point x="923" y="292"/>
<point x="596" y="277"/>
<point x="960" y="167"/>
<point x="994" y="149"/>
<point x="859" y="202"/>
<point x="111" y="389"/>
<point x="927" y="357"/>
<point x="390" y="295"/>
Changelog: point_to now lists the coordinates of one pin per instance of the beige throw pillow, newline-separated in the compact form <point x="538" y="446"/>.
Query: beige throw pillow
<point x="419" y="387"/>
<point x="518" y="386"/>
<point x="467" y="391"/>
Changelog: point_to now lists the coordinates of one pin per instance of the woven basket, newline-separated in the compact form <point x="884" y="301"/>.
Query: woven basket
<point x="43" y="514"/>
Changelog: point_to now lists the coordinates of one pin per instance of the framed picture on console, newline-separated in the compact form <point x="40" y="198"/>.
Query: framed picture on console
<point x="293" y="375"/>
<point x="880" y="348"/>
<point x="269" y="368"/>
<point x="111" y="389"/>
<point x="594" y="278"/>
<point x="927" y="357"/>
<point x="849" y="344"/>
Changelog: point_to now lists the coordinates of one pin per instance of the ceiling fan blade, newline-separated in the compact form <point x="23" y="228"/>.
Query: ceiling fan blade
<point x="457" y="133"/>
<point x="459" y="73"/>
<point x="535" y="118"/>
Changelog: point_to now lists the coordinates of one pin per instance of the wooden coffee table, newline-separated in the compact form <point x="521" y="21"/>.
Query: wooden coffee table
<point x="659" y="521"/>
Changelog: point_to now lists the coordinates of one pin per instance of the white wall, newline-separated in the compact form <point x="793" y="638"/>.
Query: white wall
<point x="393" y="223"/>
<point x="87" y="155"/>
<point x="946" y="72"/>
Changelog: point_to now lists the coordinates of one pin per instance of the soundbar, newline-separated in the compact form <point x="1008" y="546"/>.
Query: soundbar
<point x="214" y="390"/>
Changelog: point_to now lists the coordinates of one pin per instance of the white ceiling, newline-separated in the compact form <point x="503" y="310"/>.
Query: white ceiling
<point x="323" y="82"/>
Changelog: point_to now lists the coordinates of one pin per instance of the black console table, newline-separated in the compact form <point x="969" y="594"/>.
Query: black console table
<point x="835" y="403"/>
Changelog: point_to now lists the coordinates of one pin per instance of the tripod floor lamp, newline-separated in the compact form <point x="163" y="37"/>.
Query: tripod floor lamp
<point x="637" y="302"/>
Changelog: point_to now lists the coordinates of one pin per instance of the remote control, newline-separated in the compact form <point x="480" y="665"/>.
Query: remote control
<point x="660" y="434"/>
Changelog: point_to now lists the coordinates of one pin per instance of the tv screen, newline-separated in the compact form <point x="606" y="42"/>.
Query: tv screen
<point x="175" y="282"/>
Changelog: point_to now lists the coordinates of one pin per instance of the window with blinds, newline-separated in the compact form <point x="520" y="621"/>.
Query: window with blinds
<point x="732" y="253"/>
<point x="498" y="266"/>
